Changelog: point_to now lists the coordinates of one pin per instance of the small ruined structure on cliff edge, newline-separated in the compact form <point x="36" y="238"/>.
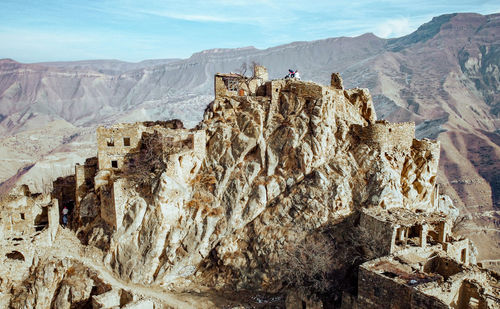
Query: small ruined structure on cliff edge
<point x="286" y="188"/>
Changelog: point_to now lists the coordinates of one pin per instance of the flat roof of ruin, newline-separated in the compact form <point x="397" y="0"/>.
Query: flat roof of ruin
<point x="403" y="216"/>
<point x="229" y="74"/>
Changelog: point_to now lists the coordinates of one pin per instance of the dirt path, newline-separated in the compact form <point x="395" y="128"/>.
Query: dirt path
<point x="67" y="245"/>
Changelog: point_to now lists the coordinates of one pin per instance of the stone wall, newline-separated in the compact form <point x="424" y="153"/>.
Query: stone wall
<point x="115" y="142"/>
<point x="388" y="137"/>
<point x="384" y="284"/>
<point x="25" y="218"/>
<point x="124" y="139"/>
<point x="108" y="209"/>
<point x="378" y="291"/>
<point x="232" y="84"/>
<point x="84" y="180"/>
<point x="336" y="81"/>
<point x="64" y="190"/>
<point x="382" y="231"/>
<point x="458" y="250"/>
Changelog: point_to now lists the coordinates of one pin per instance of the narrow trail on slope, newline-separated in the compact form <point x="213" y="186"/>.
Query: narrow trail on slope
<point x="67" y="245"/>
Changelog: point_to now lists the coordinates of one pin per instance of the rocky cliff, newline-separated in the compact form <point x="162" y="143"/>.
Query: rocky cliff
<point x="284" y="187"/>
<point x="296" y="160"/>
<point x="444" y="77"/>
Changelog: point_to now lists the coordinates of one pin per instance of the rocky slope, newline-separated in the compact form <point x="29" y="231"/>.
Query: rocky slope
<point x="283" y="173"/>
<point x="277" y="169"/>
<point x="444" y="76"/>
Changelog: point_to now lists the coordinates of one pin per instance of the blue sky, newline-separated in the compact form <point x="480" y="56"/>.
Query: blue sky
<point x="131" y="30"/>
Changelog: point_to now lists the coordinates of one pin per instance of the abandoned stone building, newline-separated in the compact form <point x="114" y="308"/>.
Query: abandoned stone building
<point x="24" y="215"/>
<point x="397" y="229"/>
<point x="419" y="262"/>
<point x="386" y="136"/>
<point x="26" y="221"/>
<point x="118" y="148"/>
<point x="354" y="103"/>
<point x="232" y="84"/>
<point x="424" y="278"/>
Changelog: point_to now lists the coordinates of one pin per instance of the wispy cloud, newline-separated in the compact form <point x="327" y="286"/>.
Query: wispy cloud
<point x="203" y="17"/>
<point x="394" y="28"/>
<point x="33" y="30"/>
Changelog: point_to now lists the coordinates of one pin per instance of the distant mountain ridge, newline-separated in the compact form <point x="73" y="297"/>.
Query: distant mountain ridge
<point x="445" y="76"/>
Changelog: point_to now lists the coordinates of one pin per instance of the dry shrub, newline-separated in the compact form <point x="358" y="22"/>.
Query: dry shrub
<point x="308" y="262"/>
<point x="144" y="166"/>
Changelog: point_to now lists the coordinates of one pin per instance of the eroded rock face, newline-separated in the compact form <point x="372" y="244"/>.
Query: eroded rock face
<point x="57" y="284"/>
<point x="267" y="194"/>
<point x="277" y="167"/>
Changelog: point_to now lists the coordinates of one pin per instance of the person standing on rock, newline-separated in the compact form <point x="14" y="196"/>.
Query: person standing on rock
<point x="297" y="75"/>
<point x="65" y="216"/>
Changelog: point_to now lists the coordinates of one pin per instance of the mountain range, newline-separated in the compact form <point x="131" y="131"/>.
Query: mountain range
<point x="445" y="77"/>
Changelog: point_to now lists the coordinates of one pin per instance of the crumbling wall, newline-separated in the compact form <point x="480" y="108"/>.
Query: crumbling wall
<point x="459" y="250"/>
<point x="273" y="90"/>
<point x="84" y="181"/>
<point x="122" y="140"/>
<point x="64" y="189"/>
<point x="388" y="137"/>
<point x="260" y="71"/>
<point x="336" y="81"/>
<point x="232" y="84"/>
<point x="107" y="213"/>
<point x="383" y="232"/>
<point x="115" y="142"/>
<point x="378" y="291"/>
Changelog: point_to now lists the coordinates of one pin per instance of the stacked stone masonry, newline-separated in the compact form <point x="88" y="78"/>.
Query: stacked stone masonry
<point x="388" y="137"/>
<point x="417" y="262"/>
<point x="117" y="146"/>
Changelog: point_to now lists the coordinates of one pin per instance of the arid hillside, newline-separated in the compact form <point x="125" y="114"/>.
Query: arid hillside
<point x="288" y="194"/>
<point x="444" y="76"/>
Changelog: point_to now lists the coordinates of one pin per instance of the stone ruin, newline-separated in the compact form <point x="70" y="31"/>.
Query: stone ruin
<point x="118" y="147"/>
<point x="27" y="221"/>
<point x="418" y="262"/>
<point x="424" y="278"/>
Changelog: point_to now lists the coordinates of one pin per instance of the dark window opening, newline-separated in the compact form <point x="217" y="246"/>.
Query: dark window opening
<point x="15" y="255"/>
<point x="463" y="255"/>
<point x="415" y="233"/>
<point x="22" y="216"/>
<point x="126" y="141"/>
<point x="389" y="274"/>
<point x="304" y="305"/>
<point x="42" y="220"/>
<point x="111" y="142"/>
<point x="231" y="84"/>
<point x="114" y="164"/>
